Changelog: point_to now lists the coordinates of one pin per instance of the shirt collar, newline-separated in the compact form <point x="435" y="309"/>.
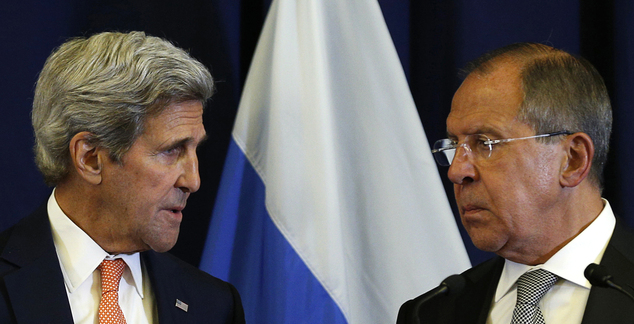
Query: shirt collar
<point x="79" y="255"/>
<point x="569" y="262"/>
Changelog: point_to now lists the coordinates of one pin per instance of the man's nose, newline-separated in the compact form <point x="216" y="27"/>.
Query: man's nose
<point x="462" y="168"/>
<point x="189" y="181"/>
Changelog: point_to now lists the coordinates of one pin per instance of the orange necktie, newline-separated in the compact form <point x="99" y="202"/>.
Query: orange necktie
<point x="109" y="310"/>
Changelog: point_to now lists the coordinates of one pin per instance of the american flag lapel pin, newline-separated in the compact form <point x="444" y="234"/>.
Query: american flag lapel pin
<point x="181" y="305"/>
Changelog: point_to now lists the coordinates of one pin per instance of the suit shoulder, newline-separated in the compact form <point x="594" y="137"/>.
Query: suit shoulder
<point x="623" y="240"/>
<point x="165" y="265"/>
<point x="207" y="296"/>
<point x="4" y="238"/>
<point x="5" y="265"/>
<point x="483" y="270"/>
<point x="467" y="307"/>
<point x="27" y="240"/>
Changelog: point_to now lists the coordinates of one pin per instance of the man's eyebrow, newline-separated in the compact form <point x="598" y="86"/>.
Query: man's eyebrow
<point x="486" y="130"/>
<point x="183" y="142"/>
<point x="202" y="141"/>
<point x="176" y="144"/>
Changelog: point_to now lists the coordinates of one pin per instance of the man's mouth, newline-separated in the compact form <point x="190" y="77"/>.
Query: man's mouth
<point x="471" y="209"/>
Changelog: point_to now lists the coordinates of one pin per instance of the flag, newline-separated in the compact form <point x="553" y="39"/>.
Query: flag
<point x="330" y="207"/>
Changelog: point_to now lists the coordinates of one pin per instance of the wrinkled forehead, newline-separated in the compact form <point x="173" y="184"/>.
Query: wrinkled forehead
<point x="486" y="102"/>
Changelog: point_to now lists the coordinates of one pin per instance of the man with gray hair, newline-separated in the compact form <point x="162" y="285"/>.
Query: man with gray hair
<point x="117" y="120"/>
<point x="528" y="132"/>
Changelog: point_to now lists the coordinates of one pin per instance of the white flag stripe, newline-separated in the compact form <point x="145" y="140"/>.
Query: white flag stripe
<point x="328" y="122"/>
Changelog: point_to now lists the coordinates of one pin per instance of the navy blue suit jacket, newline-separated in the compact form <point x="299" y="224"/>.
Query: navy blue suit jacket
<point x="32" y="286"/>
<point x="473" y="305"/>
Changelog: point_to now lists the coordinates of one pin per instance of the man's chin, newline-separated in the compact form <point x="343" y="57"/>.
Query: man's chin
<point x="164" y="243"/>
<point x="485" y="242"/>
<point x="162" y="248"/>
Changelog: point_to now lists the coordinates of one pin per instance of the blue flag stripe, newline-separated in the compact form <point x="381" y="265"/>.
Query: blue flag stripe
<point x="245" y="248"/>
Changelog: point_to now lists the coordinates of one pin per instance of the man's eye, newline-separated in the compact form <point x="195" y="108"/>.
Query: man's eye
<point x="483" y="143"/>
<point x="172" y="151"/>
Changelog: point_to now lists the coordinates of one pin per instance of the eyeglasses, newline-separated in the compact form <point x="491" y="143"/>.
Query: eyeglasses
<point x="478" y="145"/>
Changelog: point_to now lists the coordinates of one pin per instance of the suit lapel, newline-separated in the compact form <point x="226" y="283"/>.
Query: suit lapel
<point x="606" y="305"/>
<point x="470" y="307"/>
<point x="36" y="288"/>
<point x="475" y="304"/>
<point x="166" y="287"/>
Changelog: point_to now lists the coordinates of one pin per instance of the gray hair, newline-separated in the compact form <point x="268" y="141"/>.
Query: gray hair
<point x="108" y="85"/>
<point x="561" y="92"/>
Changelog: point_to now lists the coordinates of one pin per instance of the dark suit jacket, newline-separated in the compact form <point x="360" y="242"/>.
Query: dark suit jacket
<point x="32" y="286"/>
<point x="473" y="305"/>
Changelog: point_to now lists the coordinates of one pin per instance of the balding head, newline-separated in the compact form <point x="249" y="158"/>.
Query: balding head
<point x="561" y="92"/>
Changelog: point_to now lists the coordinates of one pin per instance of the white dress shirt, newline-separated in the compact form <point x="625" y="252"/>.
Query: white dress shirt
<point x="566" y="301"/>
<point x="79" y="256"/>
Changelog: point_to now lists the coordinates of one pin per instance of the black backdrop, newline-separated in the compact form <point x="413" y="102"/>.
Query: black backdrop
<point x="434" y="38"/>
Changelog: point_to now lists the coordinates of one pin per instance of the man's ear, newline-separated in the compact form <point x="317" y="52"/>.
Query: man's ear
<point x="579" y="153"/>
<point x="86" y="157"/>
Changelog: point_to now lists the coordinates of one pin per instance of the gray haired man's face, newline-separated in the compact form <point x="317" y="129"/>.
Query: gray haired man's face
<point x="145" y="194"/>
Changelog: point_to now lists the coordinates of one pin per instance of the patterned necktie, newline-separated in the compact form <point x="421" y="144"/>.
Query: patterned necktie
<point x="531" y="287"/>
<point x="109" y="310"/>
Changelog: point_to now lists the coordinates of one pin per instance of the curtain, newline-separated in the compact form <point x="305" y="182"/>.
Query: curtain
<point x="433" y="38"/>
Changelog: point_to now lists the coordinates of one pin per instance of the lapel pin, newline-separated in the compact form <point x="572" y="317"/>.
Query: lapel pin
<point x="181" y="305"/>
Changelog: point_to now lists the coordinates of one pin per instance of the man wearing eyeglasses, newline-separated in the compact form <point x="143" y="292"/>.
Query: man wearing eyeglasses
<point x="528" y="137"/>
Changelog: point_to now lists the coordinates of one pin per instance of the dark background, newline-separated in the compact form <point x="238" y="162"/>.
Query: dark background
<point x="434" y="39"/>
